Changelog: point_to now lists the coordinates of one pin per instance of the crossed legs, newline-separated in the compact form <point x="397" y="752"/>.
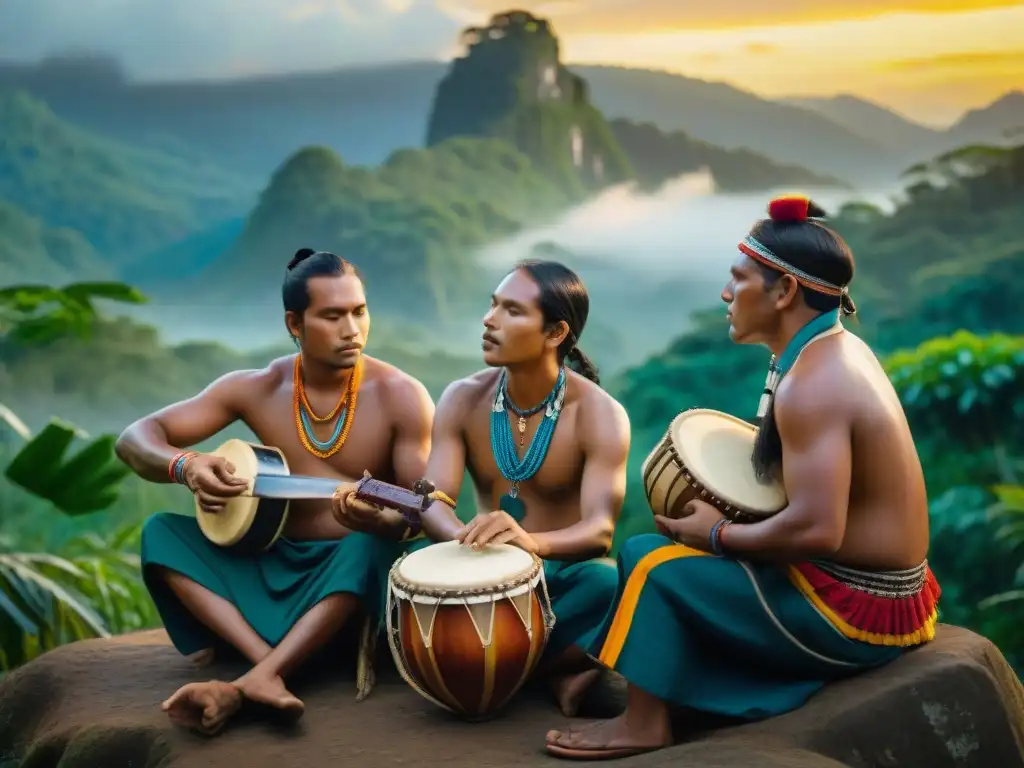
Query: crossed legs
<point x="207" y="706"/>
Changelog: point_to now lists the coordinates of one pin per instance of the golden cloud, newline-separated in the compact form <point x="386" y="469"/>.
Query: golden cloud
<point x="634" y="16"/>
<point x="968" y="60"/>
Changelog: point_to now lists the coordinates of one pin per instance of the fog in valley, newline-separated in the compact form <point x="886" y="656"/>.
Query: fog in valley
<point x="649" y="261"/>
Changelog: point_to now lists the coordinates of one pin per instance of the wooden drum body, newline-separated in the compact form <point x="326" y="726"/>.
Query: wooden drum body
<point x="467" y="628"/>
<point x="706" y="455"/>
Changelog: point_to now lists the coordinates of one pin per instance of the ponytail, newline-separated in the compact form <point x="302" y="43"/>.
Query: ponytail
<point x="583" y="365"/>
<point x="767" y="454"/>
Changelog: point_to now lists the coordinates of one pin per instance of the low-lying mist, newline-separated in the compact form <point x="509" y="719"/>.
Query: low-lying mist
<point x="649" y="261"/>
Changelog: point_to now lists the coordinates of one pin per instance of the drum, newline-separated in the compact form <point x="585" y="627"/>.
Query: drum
<point x="706" y="455"/>
<point x="467" y="627"/>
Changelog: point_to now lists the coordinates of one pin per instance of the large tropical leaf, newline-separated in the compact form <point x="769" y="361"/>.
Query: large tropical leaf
<point x="42" y="606"/>
<point x="40" y="313"/>
<point x="88" y="481"/>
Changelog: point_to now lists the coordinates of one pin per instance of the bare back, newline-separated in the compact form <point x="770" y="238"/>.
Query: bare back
<point x="389" y="437"/>
<point x="838" y="384"/>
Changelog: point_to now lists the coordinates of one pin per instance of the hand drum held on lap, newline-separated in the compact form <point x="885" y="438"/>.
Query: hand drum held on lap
<point x="706" y="455"/>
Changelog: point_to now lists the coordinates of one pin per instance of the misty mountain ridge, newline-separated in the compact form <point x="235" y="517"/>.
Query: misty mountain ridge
<point x="251" y="123"/>
<point x="984" y="125"/>
<point x="871" y="120"/>
<point x="511" y="87"/>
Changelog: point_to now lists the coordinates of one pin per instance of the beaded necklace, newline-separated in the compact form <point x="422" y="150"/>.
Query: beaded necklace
<point x="324" y="449"/>
<point x="512" y="468"/>
<point x="823" y="325"/>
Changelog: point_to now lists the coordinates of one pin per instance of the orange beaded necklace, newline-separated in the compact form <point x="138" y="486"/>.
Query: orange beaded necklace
<point x="303" y="413"/>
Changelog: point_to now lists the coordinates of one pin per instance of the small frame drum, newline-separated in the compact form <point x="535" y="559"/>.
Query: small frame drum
<point x="467" y="627"/>
<point x="706" y="455"/>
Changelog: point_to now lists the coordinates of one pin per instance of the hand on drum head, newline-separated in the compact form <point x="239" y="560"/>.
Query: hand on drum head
<point x="212" y="480"/>
<point x="359" y="515"/>
<point x="694" y="528"/>
<point x="496" y="527"/>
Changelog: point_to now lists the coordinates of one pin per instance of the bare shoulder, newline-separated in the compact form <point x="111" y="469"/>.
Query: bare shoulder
<point x="243" y="387"/>
<point x="403" y="392"/>
<point x="464" y="395"/>
<point x="602" y="418"/>
<point x="818" y="388"/>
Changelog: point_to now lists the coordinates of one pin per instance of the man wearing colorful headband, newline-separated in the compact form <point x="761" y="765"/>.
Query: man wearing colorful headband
<point x="333" y="412"/>
<point x="749" y="620"/>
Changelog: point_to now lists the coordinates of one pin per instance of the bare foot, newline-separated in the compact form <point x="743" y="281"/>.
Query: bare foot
<point x="607" y="739"/>
<point x="569" y="689"/>
<point x="203" y="707"/>
<point x="269" y="690"/>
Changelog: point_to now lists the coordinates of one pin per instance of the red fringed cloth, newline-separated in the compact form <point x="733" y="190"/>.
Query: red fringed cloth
<point x="878" y="607"/>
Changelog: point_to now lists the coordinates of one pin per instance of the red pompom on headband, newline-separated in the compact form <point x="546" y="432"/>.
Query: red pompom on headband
<point x="789" y="208"/>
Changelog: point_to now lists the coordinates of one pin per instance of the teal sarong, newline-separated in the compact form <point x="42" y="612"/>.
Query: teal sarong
<point x="723" y="636"/>
<point x="580" y="594"/>
<point x="272" y="590"/>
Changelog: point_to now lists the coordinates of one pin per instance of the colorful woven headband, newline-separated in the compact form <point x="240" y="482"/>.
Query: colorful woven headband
<point x="759" y="252"/>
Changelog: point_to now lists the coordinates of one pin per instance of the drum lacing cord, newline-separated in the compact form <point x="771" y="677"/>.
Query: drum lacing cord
<point x="399" y="654"/>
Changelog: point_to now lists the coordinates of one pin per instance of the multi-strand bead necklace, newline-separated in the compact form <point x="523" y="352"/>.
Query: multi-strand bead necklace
<point x="304" y="414"/>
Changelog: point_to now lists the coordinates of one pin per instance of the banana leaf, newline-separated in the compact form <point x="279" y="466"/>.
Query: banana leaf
<point x="85" y="292"/>
<point x="41" y="608"/>
<point x="36" y="314"/>
<point x="88" y="481"/>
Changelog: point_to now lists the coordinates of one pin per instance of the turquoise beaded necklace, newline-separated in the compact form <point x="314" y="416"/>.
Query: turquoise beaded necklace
<point x="512" y="468"/>
<point x="307" y="427"/>
<point x="824" y="323"/>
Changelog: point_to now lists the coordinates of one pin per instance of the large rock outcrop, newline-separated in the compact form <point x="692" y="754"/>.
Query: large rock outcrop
<point x="954" y="703"/>
<point x="511" y="84"/>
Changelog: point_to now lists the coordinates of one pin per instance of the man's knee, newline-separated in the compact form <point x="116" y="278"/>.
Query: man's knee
<point x="636" y="548"/>
<point x="159" y="524"/>
<point x="602" y="580"/>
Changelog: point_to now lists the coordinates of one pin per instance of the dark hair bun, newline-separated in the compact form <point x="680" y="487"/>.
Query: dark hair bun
<point x="300" y="255"/>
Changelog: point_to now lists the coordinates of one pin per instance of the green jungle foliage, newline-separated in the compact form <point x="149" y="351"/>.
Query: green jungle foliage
<point x="87" y="585"/>
<point x="410" y="224"/>
<point x="658" y="156"/>
<point x="960" y="390"/>
<point x="122" y="199"/>
<point x="29" y="246"/>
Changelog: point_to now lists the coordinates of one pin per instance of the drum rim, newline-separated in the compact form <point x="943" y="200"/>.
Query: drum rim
<point x="703" y="492"/>
<point x="524" y="579"/>
<point x="246" y="498"/>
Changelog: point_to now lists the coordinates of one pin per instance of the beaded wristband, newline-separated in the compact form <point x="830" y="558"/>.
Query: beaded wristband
<point x="715" y="537"/>
<point x="441" y="496"/>
<point x="176" y="467"/>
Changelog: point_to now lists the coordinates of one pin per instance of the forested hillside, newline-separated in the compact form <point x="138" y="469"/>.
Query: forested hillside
<point x="122" y="199"/>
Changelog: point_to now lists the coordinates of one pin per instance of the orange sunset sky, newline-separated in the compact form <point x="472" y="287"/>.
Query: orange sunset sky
<point x="930" y="59"/>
